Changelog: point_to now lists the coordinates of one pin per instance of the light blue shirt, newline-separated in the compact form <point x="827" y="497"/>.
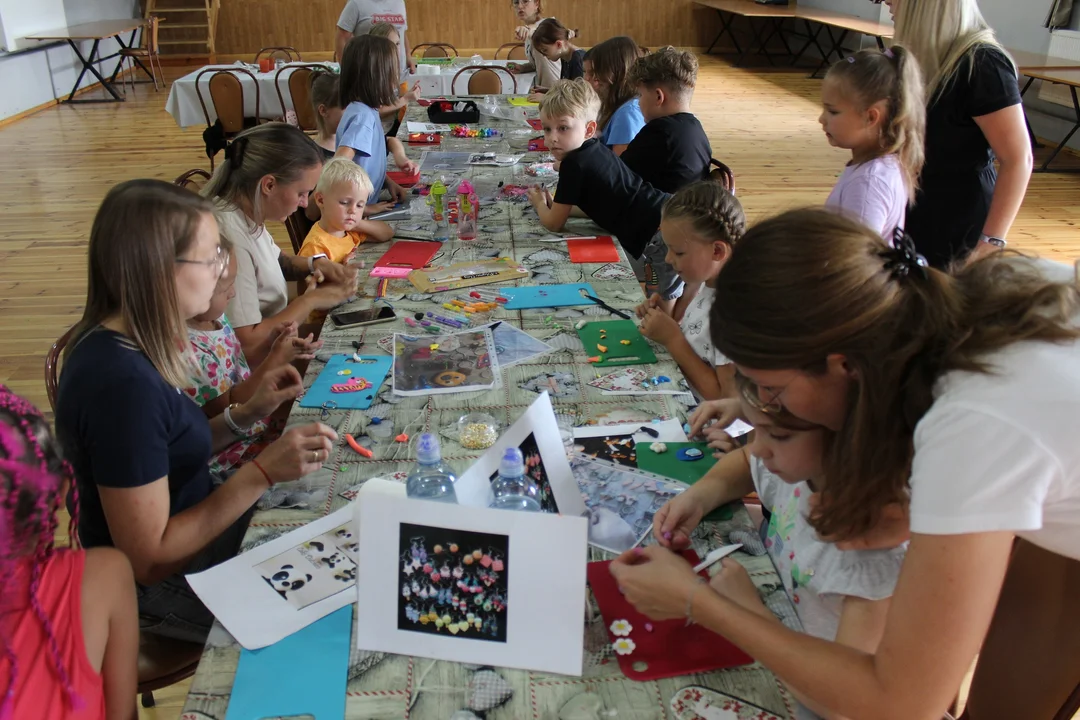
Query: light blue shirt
<point x="624" y="125"/>
<point x="361" y="129"/>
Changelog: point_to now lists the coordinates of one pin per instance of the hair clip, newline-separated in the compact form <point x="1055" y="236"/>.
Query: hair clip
<point x="887" y="52"/>
<point x="903" y="257"/>
<point x="851" y="59"/>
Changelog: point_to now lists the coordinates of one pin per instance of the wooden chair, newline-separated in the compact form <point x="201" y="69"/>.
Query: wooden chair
<point x="435" y="50"/>
<point x="148" y="50"/>
<point x="721" y="173"/>
<point x="227" y="96"/>
<point x="298" y="83"/>
<point x="192" y="179"/>
<point x="515" y="51"/>
<point x="485" y="81"/>
<point x="298" y="226"/>
<point x="162" y="661"/>
<point x="286" y="53"/>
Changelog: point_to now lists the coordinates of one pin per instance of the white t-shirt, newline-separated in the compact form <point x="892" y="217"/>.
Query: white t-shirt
<point x="260" y="287"/>
<point x="695" y="326"/>
<point x="548" y="72"/>
<point x="874" y="193"/>
<point x="358" y="16"/>
<point x="1001" y="451"/>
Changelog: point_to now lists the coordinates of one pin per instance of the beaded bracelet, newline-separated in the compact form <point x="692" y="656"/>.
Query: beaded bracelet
<point x="690" y="600"/>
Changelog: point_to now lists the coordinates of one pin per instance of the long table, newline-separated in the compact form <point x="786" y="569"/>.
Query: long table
<point x="1071" y="79"/>
<point x="97" y="31"/>
<point x="385" y="686"/>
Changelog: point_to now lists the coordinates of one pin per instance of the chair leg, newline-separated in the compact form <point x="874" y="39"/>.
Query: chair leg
<point x="148" y="699"/>
<point x="154" y="71"/>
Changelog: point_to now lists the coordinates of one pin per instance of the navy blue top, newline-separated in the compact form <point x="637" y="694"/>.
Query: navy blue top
<point x="122" y="426"/>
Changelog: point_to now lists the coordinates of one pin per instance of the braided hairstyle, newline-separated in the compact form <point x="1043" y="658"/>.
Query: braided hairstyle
<point x="713" y="212"/>
<point x="32" y="478"/>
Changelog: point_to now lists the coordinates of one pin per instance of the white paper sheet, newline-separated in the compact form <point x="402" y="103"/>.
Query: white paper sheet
<point x="246" y="603"/>
<point x="423" y="127"/>
<point x="669" y="431"/>
<point x="473" y="487"/>
<point x="537" y="623"/>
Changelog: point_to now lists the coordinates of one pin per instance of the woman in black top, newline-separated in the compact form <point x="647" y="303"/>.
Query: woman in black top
<point x="974" y="116"/>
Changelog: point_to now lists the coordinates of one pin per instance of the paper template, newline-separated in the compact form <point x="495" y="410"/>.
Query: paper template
<point x="513" y="346"/>
<point x="459" y="362"/>
<point x="536" y="432"/>
<point x="530" y="566"/>
<point x="631" y="381"/>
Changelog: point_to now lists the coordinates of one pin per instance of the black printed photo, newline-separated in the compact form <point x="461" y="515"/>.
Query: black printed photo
<point x="453" y="582"/>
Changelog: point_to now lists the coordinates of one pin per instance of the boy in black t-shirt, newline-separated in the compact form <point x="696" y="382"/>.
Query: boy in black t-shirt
<point x="594" y="180"/>
<point x="671" y="150"/>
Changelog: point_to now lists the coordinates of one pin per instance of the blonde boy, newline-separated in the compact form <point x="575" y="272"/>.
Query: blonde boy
<point x="341" y="195"/>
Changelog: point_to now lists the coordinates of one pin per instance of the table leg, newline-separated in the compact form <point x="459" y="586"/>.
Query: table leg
<point x="811" y="39"/>
<point x="88" y="65"/>
<point x="837" y="47"/>
<point x="779" y="23"/>
<point x="1061" y="146"/>
<point x="725" y="27"/>
<point x="880" y="43"/>
<point x="756" y="40"/>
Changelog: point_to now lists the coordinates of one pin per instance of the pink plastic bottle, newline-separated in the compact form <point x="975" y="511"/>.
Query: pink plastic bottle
<point x="468" y="210"/>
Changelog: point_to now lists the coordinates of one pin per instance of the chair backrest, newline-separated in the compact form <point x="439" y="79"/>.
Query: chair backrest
<point x="485" y="81"/>
<point x="192" y="180"/>
<point x="153" y="25"/>
<point x="299" y="85"/>
<point x="435" y="50"/>
<point x="227" y="96"/>
<point x="515" y="51"/>
<point x="721" y="173"/>
<point x="52" y="363"/>
<point x="285" y="52"/>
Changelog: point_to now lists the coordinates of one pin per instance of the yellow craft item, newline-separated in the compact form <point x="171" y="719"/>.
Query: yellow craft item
<point x="601" y="348"/>
<point x="625" y="342"/>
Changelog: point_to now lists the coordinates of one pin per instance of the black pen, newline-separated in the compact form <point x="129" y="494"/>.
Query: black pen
<point x="398" y="236"/>
<point x="604" y="305"/>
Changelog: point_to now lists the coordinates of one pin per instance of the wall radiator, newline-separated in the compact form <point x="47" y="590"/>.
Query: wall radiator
<point x="1063" y="44"/>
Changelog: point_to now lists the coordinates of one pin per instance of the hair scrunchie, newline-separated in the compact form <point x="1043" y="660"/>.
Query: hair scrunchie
<point x="903" y="259"/>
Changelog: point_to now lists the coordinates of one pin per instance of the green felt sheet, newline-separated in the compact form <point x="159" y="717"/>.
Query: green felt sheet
<point x="617" y="353"/>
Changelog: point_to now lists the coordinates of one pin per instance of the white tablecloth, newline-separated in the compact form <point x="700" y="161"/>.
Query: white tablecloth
<point x="183" y="102"/>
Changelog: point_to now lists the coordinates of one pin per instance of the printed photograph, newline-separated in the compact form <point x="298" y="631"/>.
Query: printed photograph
<point x="453" y="582"/>
<point x="313" y="570"/>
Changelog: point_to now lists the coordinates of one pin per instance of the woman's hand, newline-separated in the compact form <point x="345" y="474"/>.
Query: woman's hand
<point x="724" y="411"/>
<point x="656" y="581"/>
<point x="279" y="385"/>
<point x="329" y="295"/>
<point x="331" y="271"/>
<point x="298" y="452"/>
<point x="660" y="327"/>
<point x="678" y="517"/>
<point x="734" y="583"/>
<point x="521" y="32"/>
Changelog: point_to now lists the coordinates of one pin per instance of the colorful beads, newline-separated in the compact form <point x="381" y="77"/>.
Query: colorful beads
<point x="464" y="131"/>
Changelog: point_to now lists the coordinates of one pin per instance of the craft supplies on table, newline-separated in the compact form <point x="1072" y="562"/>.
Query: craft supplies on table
<point x="670" y="647"/>
<point x="348" y="381"/>
<point x="403" y="257"/>
<point x="615" y="342"/>
<point x="592" y="250"/>
<point x="404" y="179"/>
<point x="547" y="296"/>
<point x="468" y="274"/>
<point x="462" y="362"/>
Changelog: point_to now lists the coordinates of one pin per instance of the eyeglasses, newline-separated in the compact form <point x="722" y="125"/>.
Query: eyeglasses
<point x="752" y="393"/>
<point x="220" y="261"/>
<point x="521" y="2"/>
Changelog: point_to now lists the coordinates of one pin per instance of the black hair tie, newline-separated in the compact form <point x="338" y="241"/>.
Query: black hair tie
<point x="902" y="258"/>
<point x="234" y="152"/>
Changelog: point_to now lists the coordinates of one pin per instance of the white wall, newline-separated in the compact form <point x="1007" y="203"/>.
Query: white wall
<point x="33" y="77"/>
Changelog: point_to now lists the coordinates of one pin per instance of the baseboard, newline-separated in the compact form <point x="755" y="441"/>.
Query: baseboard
<point x="327" y="55"/>
<point x="58" y="101"/>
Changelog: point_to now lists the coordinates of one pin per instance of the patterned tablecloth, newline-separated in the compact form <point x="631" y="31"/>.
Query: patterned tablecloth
<point x="398" y="687"/>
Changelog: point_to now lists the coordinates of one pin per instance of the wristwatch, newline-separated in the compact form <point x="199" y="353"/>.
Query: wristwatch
<point x="991" y="240"/>
<point x="311" y="261"/>
<point x="237" y="430"/>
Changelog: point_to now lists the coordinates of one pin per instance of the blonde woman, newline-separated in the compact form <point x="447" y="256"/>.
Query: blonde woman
<point x="974" y="115"/>
<point x="140" y="448"/>
<point x="530" y="13"/>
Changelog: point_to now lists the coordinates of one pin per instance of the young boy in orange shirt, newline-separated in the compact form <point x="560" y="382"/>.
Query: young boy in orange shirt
<point x="341" y="195"/>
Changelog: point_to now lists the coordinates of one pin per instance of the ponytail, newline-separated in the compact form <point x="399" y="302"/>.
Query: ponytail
<point x="892" y="76"/>
<point x="551" y="31"/>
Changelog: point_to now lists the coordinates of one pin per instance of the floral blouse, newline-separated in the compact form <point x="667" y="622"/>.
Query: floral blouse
<point x="218" y="365"/>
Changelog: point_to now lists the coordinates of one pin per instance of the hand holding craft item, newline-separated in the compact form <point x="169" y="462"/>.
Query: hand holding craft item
<point x="350" y="381"/>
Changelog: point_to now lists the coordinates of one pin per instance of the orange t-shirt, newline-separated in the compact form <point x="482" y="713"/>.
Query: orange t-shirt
<point x="335" y="248"/>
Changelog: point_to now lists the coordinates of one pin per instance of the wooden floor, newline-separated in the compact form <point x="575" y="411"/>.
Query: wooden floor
<point x="62" y="161"/>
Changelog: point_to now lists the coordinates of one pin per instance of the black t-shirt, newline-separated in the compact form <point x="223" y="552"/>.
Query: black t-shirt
<point x="574" y="67"/>
<point x="670" y="152"/>
<point x="617" y="199"/>
<point x="122" y="426"/>
<point x="958" y="179"/>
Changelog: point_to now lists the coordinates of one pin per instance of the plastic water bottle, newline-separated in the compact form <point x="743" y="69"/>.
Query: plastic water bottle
<point x="513" y="489"/>
<point x="431" y="479"/>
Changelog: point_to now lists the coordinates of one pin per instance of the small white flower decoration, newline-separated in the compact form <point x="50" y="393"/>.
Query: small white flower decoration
<point x="624" y="646"/>
<point x="658" y="447"/>
<point x="621" y="628"/>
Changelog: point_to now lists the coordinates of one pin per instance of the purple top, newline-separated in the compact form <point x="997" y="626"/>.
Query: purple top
<point x="873" y="193"/>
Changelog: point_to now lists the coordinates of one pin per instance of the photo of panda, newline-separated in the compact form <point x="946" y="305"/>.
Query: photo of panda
<point x="315" y="569"/>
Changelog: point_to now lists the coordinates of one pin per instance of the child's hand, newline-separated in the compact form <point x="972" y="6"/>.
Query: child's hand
<point x="414" y="94"/>
<point x="289" y="346"/>
<point x="411" y="62"/>
<point x="675" y="521"/>
<point x="653" y="301"/>
<point x="719" y="441"/>
<point x="397" y="193"/>
<point x="540" y="196"/>
<point x="521" y="32"/>
<point x="724" y="411"/>
<point x="734" y="583"/>
<point x="537" y="90"/>
<point x="535" y="97"/>
<point x="660" y="327"/>
<point x="408" y="167"/>
<point x="515" y="68"/>
<point x="379" y="207"/>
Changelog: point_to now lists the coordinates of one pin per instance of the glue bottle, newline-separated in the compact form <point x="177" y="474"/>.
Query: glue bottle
<point x="468" y="210"/>
<point x="430" y="478"/>
<point x="437" y="200"/>
<point x="513" y="489"/>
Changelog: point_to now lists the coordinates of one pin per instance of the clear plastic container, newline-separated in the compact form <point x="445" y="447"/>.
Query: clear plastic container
<point x="477" y="431"/>
<point x="513" y="489"/>
<point x="430" y="478"/>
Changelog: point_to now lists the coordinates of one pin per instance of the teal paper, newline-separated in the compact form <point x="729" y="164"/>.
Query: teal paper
<point x="304" y="674"/>
<point x="374" y="372"/>
<point x="545" y="296"/>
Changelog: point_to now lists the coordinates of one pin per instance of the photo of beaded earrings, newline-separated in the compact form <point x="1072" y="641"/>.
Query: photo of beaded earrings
<point x="453" y="582"/>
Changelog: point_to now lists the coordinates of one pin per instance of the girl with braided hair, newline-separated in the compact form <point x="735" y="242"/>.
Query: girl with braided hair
<point x="700" y="224"/>
<point x="69" y="629"/>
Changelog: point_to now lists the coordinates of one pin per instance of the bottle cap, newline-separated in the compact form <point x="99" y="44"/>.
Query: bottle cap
<point x="513" y="464"/>
<point x="427" y="449"/>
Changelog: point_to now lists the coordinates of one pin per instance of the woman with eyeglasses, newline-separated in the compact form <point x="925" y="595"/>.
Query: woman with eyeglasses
<point x="139" y="447"/>
<point x="974" y="116"/>
<point x="530" y="13"/>
<point x="955" y="397"/>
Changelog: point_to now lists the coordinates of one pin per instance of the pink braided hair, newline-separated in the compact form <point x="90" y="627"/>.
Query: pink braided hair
<point x="31" y="479"/>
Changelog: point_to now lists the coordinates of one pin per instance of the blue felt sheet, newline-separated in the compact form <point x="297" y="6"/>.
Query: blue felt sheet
<point x="544" y="296"/>
<point x="374" y="372"/>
